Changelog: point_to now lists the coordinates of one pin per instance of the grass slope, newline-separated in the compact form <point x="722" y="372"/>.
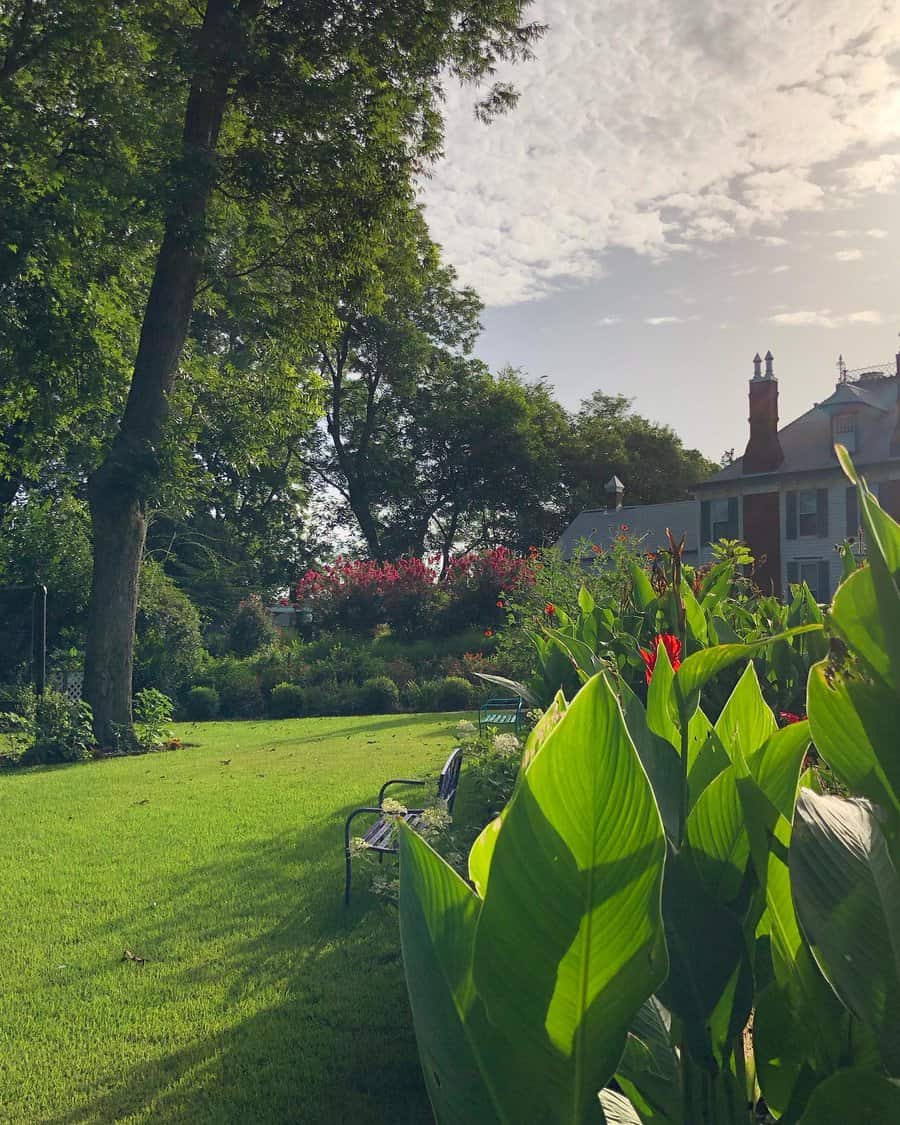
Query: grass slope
<point x="262" y="999"/>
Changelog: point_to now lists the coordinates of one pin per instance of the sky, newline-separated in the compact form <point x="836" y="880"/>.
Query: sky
<point x="682" y="184"/>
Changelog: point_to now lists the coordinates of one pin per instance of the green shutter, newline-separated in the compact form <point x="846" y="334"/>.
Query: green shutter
<point x="790" y="509"/>
<point x="852" y="507"/>
<point x="793" y="573"/>
<point x="822" y="512"/>
<point x="705" y="523"/>
<point x="733" y="524"/>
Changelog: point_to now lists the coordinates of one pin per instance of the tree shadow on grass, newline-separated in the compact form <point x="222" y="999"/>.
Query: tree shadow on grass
<point x="327" y="1035"/>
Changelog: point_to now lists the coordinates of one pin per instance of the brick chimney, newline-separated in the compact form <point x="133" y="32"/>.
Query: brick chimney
<point x="615" y="493"/>
<point x="763" y="452"/>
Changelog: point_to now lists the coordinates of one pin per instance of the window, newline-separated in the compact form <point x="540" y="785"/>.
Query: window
<point x="844" y="431"/>
<point x="807" y="513"/>
<point x="719" y="520"/>
<point x="816" y="573"/>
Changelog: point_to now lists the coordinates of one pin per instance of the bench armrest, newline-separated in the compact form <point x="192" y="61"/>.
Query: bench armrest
<point x="398" y="781"/>
<point x="352" y="816"/>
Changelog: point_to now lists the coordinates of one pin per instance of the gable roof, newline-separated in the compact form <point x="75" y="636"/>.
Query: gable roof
<point x="647" y="522"/>
<point x="807" y="441"/>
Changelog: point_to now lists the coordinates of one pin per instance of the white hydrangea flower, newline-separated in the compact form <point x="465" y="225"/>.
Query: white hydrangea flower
<point x="464" y="727"/>
<point x="390" y="807"/>
<point x="507" y="744"/>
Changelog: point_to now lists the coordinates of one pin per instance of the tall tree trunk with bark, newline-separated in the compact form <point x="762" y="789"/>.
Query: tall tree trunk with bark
<point x="119" y="489"/>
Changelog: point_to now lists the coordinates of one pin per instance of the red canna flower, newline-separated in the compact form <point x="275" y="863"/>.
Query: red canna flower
<point x="500" y="604"/>
<point x="550" y="609"/>
<point x="789" y="717"/>
<point x="671" y="644"/>
<point x="489" y="632"/>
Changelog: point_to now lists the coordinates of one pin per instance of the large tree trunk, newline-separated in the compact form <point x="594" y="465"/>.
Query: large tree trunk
<point x="119" y="489"/>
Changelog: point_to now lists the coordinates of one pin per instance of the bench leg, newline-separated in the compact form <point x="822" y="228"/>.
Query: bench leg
<point x="347" y="877"/>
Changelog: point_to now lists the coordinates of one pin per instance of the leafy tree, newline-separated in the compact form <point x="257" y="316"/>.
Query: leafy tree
<point x="168" y="640"/>
<point x="609" y="439"/>
<point x="298" y="125"/>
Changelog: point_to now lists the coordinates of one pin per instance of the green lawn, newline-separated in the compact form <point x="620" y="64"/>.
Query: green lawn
<point x="262" y="999"/>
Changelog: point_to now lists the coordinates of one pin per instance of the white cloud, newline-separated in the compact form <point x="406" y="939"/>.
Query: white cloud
<point x="665" y="127"/>
<point x="780" y="269"/>
<point x="773" y="240"/>
<point x="607" y="321"/>
<point x="881" y="174"/>
<point x="848" y="255"/>
<point x="824" y="318"/>
<point x="877" y="232"/>
<point x="842" y="233"/>
<point x="658" y="320"/>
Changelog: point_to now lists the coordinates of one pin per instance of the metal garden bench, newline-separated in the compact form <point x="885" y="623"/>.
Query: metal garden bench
<point x="502" y="712"/>
<point x="382" y="837"/>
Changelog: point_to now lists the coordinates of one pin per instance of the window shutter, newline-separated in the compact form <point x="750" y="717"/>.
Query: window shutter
<point x="790" y="500"/>
<point x="852" y="505"/>
<point x="793" y="573"/>
<point x="705" y="523"/>
<point x="824" y="592"/>
<point x="732" y="517"/>
<point x="822" y="512"/>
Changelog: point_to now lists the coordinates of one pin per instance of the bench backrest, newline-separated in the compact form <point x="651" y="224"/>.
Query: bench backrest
<point x="449" y="779"/>
<point x="514" y="703"/>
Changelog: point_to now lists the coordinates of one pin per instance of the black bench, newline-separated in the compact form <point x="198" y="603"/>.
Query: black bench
<point x="382" y="837"/>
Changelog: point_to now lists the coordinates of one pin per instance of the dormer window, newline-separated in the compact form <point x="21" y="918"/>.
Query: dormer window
<point x="844" y="431"/>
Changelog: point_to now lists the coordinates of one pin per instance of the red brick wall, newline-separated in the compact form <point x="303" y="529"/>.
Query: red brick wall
<point x="762" y="533"/>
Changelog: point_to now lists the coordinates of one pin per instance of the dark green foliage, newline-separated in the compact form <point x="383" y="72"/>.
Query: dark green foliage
<point x="251" y="629"/>
<point x="201" y="703"/>
<point x="453" y="693"/>
<point x="168" y="639"/>
<point x="378" y="696"/>
<point x="287" y="701"/>
<point x="240" y="695"/>
<point x="60" y="732"/>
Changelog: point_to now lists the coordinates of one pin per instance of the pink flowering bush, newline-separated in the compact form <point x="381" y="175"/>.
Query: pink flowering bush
<point x="357" y="595"/>
<point x="481" y="582"/>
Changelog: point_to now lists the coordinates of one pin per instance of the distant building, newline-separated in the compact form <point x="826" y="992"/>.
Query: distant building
<point x="646" y="522"/>
<point x="787" y="497"/>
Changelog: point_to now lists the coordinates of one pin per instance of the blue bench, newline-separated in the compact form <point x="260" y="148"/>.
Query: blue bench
<point x="382" y="836"/>
<point x="502" y="712"/>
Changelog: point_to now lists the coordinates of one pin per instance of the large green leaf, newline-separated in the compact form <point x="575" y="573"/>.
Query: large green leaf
<point x="866" y="613"/>
<point x="847" y="895"/>
<point x="776" y="765"/>
<point x="856" y="727"/>
<point x="746" y="721"/>
<point x="706" y="952"/>
<point x="700" y="667"/>
<point x="617" y="1109"/>
<point x="716" y="838"/>
<point x="438" y="913"/>
<point x="570" y="941"/>
<point x="649" y="1070"/>
<point x="660" y="760"/>
<point x="660" y="718"/>
<point x="854" y="1097"/>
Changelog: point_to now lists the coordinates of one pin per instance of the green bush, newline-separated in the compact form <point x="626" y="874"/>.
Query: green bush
<point x="252" y="627"/>
<point x="168" y="642"/>
<point x="287" y="701"/>
<point x="240" y="695"/>
<point x="453" y="693"/>
<point x="201" y="703"/>
<point x="379" y="696"/>
<point x="152" y="713"/>
<point x="60" y="731"/>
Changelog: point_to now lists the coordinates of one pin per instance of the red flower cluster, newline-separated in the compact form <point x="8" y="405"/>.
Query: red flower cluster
<point x="497" y="567"/>
<point x="671" y="644"/>
<point x="550" y="609"/>
<point x="789" y="717"/>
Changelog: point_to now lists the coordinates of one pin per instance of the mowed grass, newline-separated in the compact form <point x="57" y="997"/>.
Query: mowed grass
<point x="262" y="998"/>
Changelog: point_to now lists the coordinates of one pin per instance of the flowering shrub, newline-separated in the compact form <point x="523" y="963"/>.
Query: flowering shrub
<point x="481" y="583"/>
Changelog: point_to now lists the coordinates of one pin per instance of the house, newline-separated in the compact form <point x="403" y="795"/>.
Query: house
<point x="646" y="522"/>
<point x="787" y="497"/>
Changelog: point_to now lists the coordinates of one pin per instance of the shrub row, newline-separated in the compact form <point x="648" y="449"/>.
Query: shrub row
<point x="241" y="696"/>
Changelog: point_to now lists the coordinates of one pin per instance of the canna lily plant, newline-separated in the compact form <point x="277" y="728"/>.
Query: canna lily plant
<point x="668" y="923"/>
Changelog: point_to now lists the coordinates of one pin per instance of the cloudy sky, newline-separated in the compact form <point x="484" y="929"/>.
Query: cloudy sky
<point x="683" y="183"/>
